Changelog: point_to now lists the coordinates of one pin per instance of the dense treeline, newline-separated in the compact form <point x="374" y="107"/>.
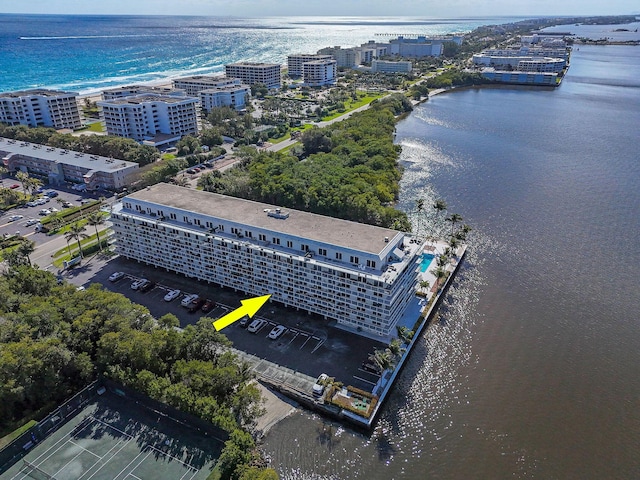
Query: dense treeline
<point x="104" y="145"/>
<point x="55" y="339"/>
<point x="456" y="78"/>
<point x="347" y="170"/>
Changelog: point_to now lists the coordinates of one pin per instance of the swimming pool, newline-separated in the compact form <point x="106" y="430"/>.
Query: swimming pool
<point x="425" y="261"/>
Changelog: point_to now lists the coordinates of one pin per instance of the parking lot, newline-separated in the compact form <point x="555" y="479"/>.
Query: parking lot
<point x="309" y="344"/>
<point x="29" y="216"/>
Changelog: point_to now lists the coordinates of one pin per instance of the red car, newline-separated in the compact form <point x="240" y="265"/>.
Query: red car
<point x="15" y="185"/>
<point x="208" y="306"/>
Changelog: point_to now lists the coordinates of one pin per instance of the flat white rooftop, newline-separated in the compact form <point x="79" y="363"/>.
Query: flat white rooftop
<point x="68" y="157"/>
<point x="320" y="228"/>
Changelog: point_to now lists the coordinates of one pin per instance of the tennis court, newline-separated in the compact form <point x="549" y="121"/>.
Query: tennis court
<point x="114" y="439"/>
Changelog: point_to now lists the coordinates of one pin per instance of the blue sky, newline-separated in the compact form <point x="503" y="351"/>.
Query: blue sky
<point x="255" y="8"/>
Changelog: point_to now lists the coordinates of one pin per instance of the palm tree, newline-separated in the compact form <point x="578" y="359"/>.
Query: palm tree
<point x="96" y="219"/>
<point x="23" y="178"/>
<point x="76" y="232"/>
<point x="26" y="248"/>
<point x="404" y="334"/>
<point x="453" y="218"/>
<point x="419" y="210"/>
<point x="440" y="274"/>
<point x="395" y="348"/>
<point x="382" y="359"/>
<point x="440" y="206"/>
<point x="424" y="285"/>
<point x="453" y="244"/>
<point x="55" y="222"/>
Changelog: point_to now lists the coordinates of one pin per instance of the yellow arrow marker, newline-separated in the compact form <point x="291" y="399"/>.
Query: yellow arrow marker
<point x="249" y="307"/>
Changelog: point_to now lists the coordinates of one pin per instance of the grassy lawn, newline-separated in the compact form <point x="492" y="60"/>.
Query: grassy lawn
<point x="351" y="105"/>
<point x="287" y="135"/>
<point x="62" y="255"/>
<point x="6" y="440"/>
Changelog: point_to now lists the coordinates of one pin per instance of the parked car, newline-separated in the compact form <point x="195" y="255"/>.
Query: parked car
<point x="138" y="283"/>
<point x="115" y="276"/>
<point x="15" y="185"/>
<point x="146" y="286"/>
<point x="51" y="194"/>
<point x="191" y="171"/>
<point x="188" y="299"/>
<point x="277" y="331"/>
<point x="195" y="305"/>
<point x="44" y="211"/>
<point x="256" y="325"/>
<point x="31" y="204"/>
<point x="208" y="305"/>
<point x="31" y="221"/>
<point x="172" y="295"/>
<point x="13" y="218"/>
<point x="66" y="204"/>
<point x="40" y="201"/>
<point x="244" y="322"/>
<point x="318" y="387"/>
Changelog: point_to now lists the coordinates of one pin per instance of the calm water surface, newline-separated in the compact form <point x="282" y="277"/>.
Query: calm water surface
<point x="531" y="370"/>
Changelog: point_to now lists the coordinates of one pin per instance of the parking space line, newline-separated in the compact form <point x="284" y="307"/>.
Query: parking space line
<point x="363" y="380"/>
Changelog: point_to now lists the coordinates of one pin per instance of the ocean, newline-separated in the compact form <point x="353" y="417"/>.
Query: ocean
<point x="85" y="53"/>
<point x="530" y="369"/>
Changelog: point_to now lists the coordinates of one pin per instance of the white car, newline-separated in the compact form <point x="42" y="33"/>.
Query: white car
<point x="318" y="387"/>
<point x="256" y="325"/>
<point x="13" y="218"/>
<point x="138" y="283"/>
<point x="115" y="276"/>
<point x="31" y="221"/>
<point x="188" y="299"/>
<point x="277" y="331"/>
<point x="44" y="211"/>
<point x="171" y="295"/>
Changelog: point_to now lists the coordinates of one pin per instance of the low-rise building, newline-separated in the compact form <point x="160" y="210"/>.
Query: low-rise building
<point x="143" y="117"/>
<point x="253" y="73"/>
<point x="40" y="108"/>
<point x="58" y="166"/>
<point x="386" y="66"/>
<point x="319" y="73"/>
<point x="360" y="276"/>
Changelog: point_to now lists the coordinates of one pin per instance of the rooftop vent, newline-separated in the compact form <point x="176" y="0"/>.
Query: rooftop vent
<point x="277" y="213"/>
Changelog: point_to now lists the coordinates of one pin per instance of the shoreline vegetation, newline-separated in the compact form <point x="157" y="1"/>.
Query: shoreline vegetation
<point x="55" y="339"/>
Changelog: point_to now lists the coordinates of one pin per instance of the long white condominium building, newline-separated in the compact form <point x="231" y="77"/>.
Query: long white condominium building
<point x="193" y="85"/>
<point x="252" y="73"/>
<point x="234" y="96"/>
<point x="40" y="108"/>
<point x="296" y="61"/>
<point x="133" y="90"/>
<point x="143" y="117"/>
<point x="359" y="275"/>
<point x="385" y="66"/>
<point x="521" y="63"/>
<point x="58" y="165"/>
<point x="319" y="73"/>
<point x="416" y="47"/>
